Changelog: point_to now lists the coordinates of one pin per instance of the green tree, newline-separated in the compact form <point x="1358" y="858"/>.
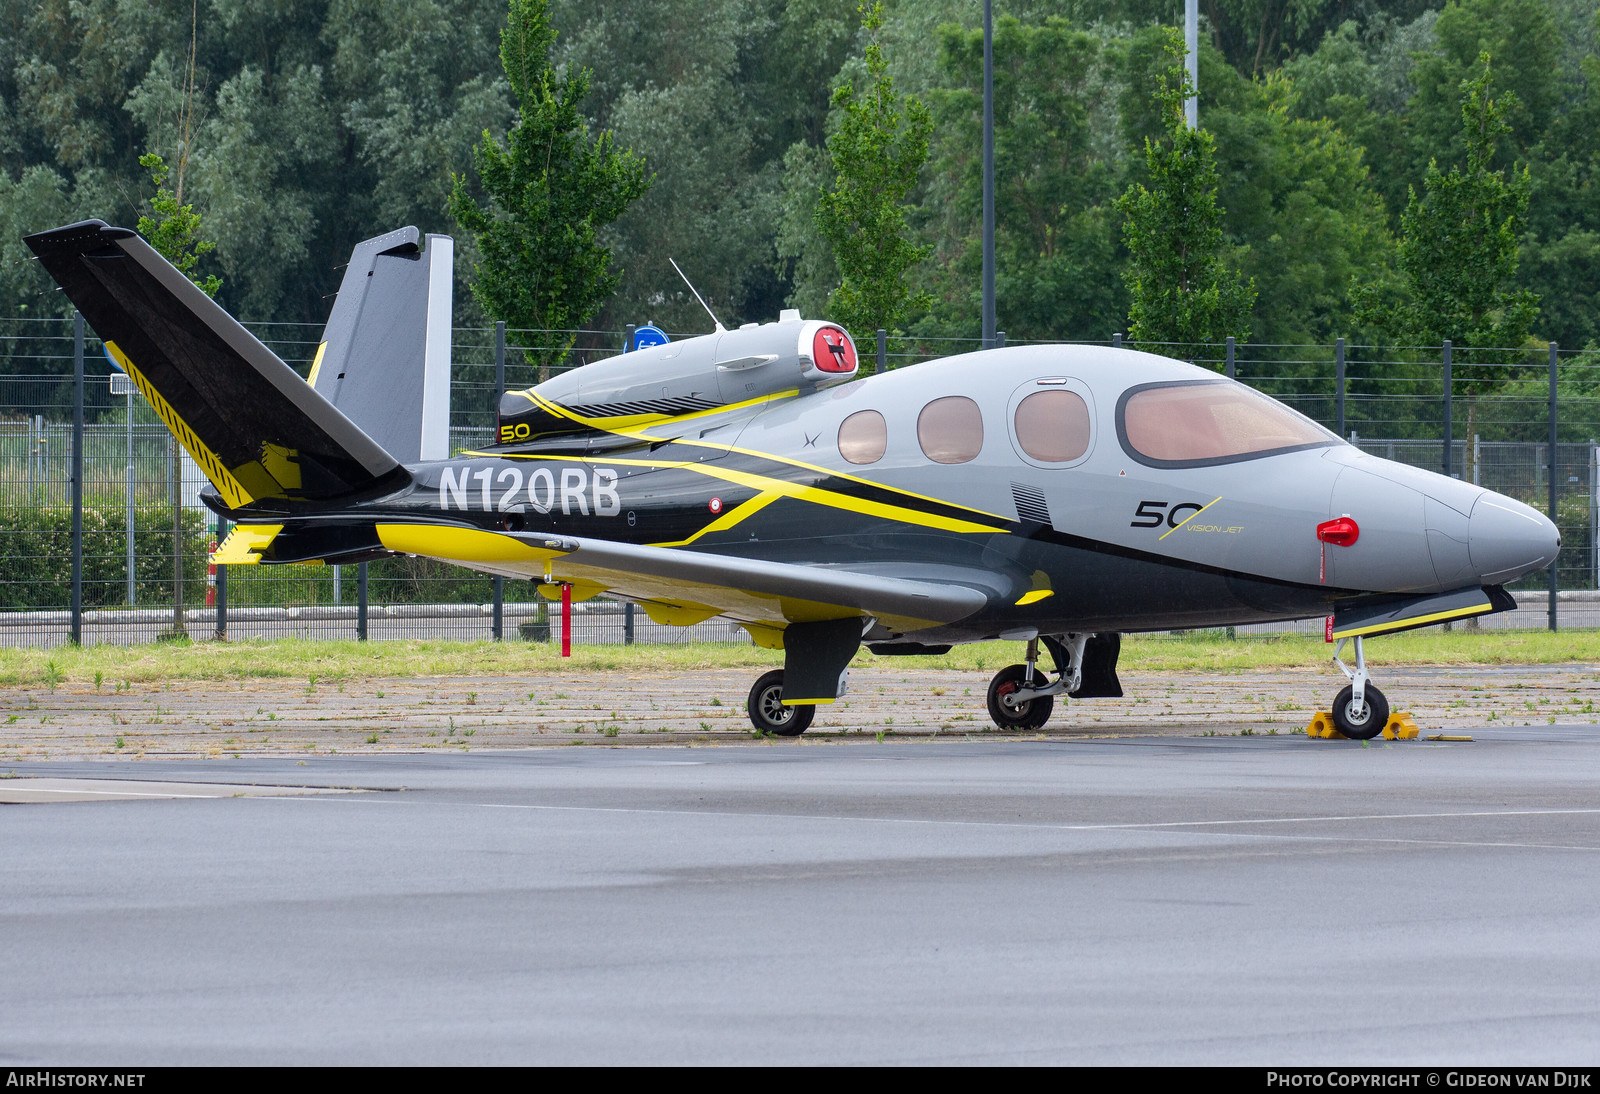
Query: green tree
<point x="878" y="147"/>
<point x="1458" y="247"/>
<point x="175" y="230"/>
<point x="1059" y="166"/>
<point x="1298" y="197"/>
<point x="551" y="188"/>
<point x="1183" y="288"/>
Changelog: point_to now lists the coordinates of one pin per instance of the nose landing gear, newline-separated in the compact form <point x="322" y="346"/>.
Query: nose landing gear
<point x="1360" y="710"/>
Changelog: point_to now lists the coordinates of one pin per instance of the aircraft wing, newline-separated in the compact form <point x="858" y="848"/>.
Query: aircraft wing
<point x="682" y="586"/>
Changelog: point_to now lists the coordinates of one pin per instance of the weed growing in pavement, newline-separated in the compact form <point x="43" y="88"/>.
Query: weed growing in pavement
<point x="98" y="678"/>
<point x="53" y="676"/>
<point x="715" y="701"/>
<point x="372" y="738"/>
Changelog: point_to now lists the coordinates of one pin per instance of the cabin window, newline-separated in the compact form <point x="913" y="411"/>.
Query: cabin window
<point x="950" y="430"/>
<point x="863" y="437"/>
<point x="1210" y="421"/>
<point x="1053" y="426"/>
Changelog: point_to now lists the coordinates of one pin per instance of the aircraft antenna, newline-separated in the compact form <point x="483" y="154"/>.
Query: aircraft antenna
<point x="720" y="328"/>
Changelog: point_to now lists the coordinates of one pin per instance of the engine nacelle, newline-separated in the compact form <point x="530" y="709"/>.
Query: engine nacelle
<point x="708" y="372"/>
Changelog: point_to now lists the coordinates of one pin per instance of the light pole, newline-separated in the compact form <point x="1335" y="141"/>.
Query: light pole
<point x="988" y="173"/>
<point x="1191" y="60"/>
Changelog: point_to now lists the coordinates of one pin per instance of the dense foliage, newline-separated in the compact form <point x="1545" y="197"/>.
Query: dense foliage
<point x="304" y="126"/>
<point x="549" y="191"/>
<point x="1181" y="283"/>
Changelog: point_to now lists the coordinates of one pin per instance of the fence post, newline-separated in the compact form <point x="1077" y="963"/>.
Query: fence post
<point x="1449" y="427"/>
<point x="77" y="478"/>
<point x="1555" y="564"/>
<point x="361" y="602"/>
<point x="1230" y="358"/>
<point x="498" y="630"/>
<point x="627" y="623"/>
<point x="1116" y="340"/>
<point x="129" y="487"/>
<point x="180" y="628"/>
<point x="999" y="339"/>
<point x="627" y="338"/>
<point x="222" y="583"/>
<point x="1338" y="382"/>
<point x="883" y="351"/>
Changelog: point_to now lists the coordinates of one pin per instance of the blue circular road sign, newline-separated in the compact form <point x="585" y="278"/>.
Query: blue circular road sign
<point x="646" y="336"/>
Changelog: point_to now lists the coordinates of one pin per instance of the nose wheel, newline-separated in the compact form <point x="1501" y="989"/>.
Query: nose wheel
<point x="1360" y="710"/>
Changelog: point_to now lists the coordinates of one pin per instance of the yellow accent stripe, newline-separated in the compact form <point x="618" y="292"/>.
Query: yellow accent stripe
<point x="1034" y="597"/>
<point x="805" y="702"/>
<point x="465" y="544"/>
<point x="1187" y="519"/>
<point x="1413" y="621"/>
<point x="316" y="363"/>
<point x="232" y="491"/>
<point x="630" y="425"/>
<point x="729" y="519"/>
<point x="641" y="434"/>
<point x="815" y="495"/>
<point x="245" y="543"/>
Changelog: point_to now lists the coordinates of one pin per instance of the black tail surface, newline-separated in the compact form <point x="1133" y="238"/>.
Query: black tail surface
<point x="258" y="431"/>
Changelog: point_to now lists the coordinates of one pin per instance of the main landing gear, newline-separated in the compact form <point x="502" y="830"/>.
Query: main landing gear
<point x="1021" y="697"/>
<point x="769" y="715"/>
<point x="1359" y="710"/>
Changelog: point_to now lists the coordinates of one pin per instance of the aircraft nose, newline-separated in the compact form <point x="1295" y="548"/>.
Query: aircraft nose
<point x="1507" y="539"/>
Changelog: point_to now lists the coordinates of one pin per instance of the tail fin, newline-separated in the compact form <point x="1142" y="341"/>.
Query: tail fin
<point x="257" y="430"/>
<point x="384" y="360"/>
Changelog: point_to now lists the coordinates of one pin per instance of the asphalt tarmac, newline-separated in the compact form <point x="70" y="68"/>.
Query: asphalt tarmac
<point x="1144" y="900"/>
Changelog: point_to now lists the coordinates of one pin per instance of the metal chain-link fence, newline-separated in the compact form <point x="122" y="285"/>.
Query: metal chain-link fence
<point x="145" y="534"/>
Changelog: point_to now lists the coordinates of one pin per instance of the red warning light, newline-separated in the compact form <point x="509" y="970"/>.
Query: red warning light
<point x="1341" y="531"/>
<point x="832" y="350"/>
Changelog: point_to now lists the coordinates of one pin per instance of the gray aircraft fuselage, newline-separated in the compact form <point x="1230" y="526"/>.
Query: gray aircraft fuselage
<point x="1108" y="540"/>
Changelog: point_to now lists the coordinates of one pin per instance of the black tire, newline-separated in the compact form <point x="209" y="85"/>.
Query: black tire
<point x="1361" y="724"/>
<point x="769" y="715"/>
<point x="1030" y="715"/>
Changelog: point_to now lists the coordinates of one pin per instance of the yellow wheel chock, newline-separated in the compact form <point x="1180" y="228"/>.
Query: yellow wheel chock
<point x="1400" y="727"/>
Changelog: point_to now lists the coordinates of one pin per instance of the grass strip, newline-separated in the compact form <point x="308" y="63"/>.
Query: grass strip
<point x="1196" y="651"/>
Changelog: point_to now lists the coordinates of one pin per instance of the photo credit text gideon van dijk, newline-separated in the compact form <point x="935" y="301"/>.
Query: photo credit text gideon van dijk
<point x="1470" y="1078"/>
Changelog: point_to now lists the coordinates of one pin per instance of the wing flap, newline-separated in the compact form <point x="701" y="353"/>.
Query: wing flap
<point x="754" y="590"/>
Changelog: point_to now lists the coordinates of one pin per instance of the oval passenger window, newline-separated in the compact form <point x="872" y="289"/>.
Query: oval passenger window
<point x="1053" y="426"/>
<point x="863" y="437"/>
<point x="950" y="430"/>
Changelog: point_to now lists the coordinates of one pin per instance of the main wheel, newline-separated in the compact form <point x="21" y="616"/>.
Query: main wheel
<point x="1030" y="715"/>
<point x="1361" y="721"/>
<point x="769" y="715"/>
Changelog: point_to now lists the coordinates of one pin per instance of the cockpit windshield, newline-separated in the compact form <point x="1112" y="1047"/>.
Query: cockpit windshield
<point x="1188" y="423"/>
